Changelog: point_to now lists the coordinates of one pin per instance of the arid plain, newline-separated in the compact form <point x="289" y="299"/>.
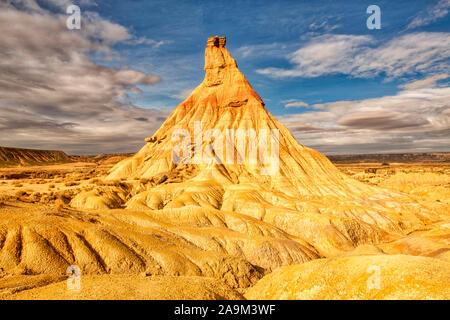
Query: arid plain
<point x="145" y="227"/>
<point x="192" y="254"/>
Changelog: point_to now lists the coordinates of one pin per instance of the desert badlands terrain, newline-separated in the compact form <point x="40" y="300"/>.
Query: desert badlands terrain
<point x="292" y="226"/>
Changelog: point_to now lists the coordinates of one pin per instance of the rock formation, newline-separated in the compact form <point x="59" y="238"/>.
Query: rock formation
<point x="226" y="101"/>
<point x="306" y="195"/>
<point x="203" y="198"/>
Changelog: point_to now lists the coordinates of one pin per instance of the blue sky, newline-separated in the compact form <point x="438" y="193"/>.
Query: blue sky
<point x="339" y="87"/>
<point x="183" y="26"/>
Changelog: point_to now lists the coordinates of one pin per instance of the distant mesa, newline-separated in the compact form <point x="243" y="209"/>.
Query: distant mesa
<point x="392" y="157"/>
<point x="13" y="157"/>
<point x="26" y="157"/>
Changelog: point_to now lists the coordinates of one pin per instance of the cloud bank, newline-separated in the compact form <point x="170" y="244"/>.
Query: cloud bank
<point x="430" y="15"/>
<point x="362" y="56"/>
<point x="414" y="120"/>
<point x="53" y="94"/>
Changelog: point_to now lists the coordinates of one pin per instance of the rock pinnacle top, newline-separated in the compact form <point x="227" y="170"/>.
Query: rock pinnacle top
<point x="216" y="41"/>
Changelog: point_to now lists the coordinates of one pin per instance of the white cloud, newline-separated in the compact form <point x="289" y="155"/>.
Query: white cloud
<point x="423" y="83"/>
<point x="261" y="50"/>
<point x="183" y="94"/>
<point x="356" y="55"/>
<point x="323" y="26"/>
<point x="96" y="27"/>
<point x="53" y="95"/>
<point x="412" y="120"/>
<point x="432" y="14"/>
<point x="295" y="104"/>
<point x="32" y="6"/>
<point x="147" y="41"/>
<point x="317" y="29"/>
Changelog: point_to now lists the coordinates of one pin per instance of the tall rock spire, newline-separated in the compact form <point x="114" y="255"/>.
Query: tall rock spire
<point x="306" y="194"/>
<point x="225" y="100"/>
<point x="221" y="70"/>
